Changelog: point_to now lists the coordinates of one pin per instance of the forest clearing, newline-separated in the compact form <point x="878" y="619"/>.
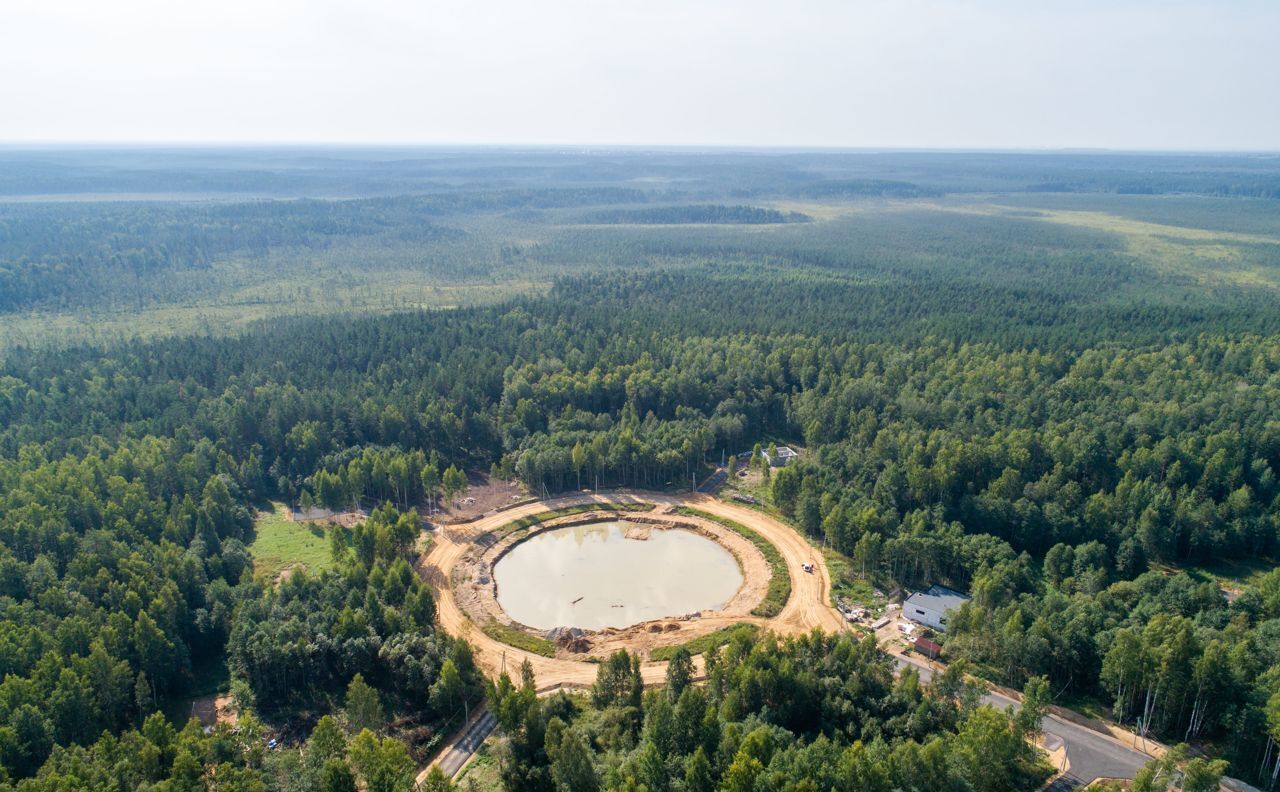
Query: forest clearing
<point x="807" y="608"/>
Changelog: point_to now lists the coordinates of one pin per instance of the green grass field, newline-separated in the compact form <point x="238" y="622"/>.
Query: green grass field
<point x="1196" y="255"/>
<point x="846" y="584"/>
<point x="279" y="543"/>
<point x="518" y="638"/>
<point x="1226" y="573"/>
<point x="483" y="774"/>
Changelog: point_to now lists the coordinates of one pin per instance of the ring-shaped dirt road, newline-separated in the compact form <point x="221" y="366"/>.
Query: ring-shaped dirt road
<point x="808" y="607"/>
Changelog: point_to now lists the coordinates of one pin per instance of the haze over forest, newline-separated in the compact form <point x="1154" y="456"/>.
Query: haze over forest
<point x="946" y="331"/>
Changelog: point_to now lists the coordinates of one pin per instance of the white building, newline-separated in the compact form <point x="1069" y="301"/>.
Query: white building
<point x="931" y="607"/>
<point x="785" y="454"/>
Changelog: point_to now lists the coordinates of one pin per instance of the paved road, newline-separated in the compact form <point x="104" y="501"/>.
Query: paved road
<point x="1091" y="754"/>
<point x="454" y="756"/>
<point x="1065" y="783"/>
<point x="714" y="481"/>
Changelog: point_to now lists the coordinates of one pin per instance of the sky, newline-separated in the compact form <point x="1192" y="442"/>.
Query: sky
<point x="1124" y="74"/>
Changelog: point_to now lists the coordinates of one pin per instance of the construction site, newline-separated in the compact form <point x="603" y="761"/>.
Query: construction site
<point x="605" y="593"/>
<point x="461" y="561"/>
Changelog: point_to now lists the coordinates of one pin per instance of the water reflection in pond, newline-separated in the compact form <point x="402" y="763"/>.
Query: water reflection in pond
<point x="592" y="576"/>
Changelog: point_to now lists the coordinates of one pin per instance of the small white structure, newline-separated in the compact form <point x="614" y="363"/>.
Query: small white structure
<point x="784" y="455"/>
<point x="930" y="607"/>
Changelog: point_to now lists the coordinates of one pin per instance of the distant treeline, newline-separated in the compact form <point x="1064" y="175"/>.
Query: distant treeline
<point x="287" y="221"/>
<point x="84" y="254"/>
<point x="704" y="213"/>
<point x="864" y="188"/>
<point x="697" y="176"/>
<point x="1260" y="187"/>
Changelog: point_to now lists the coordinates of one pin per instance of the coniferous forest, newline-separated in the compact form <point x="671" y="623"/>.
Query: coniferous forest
<point x="1051" y="380"/>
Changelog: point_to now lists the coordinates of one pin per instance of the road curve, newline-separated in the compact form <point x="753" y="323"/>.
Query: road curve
<point x="807" y="608"/>
<point x="1090" y="754"/>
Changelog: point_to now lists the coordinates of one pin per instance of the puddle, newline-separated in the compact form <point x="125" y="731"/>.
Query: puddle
<point x="592" y="576"/>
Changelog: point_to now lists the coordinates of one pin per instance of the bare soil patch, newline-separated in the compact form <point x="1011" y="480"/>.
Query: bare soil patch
<point x="211" y="710"/>
<point x="484" y="496"/>
<point x="288" y="571"/>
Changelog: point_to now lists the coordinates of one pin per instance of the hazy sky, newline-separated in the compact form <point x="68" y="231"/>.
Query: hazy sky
<point x="1162" y="74"/>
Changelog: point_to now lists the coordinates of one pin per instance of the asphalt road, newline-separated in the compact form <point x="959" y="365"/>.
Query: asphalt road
<point x="713" y="482"/>
<point x="1090" y="754"/>
<point x="456" y="755"/>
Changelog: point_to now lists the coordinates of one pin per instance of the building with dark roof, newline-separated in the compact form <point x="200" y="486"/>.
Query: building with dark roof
<point x="927" y="648"/>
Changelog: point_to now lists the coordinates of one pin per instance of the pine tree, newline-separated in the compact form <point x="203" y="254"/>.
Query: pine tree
<point x="364" y="709"/>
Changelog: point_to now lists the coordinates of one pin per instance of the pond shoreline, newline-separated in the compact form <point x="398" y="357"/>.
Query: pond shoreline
<point x="476" y="588"/>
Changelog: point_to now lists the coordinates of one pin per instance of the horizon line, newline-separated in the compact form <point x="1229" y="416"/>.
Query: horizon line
<point x="637" y="147"/>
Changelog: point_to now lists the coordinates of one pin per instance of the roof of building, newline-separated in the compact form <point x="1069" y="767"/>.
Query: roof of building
<point x="938" y="598"/>
<point x="928" y="647"/>
<point x="783" y="452"/>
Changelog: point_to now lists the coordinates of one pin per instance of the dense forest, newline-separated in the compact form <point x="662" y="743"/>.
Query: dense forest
<point x="107" y="244"/>
<point x="809" y="713"/>
<point x="663" y="215"/>
<point x="1064" y="403"/>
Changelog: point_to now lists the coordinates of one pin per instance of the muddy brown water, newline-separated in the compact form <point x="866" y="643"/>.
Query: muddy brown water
<point x="592" y="576"/>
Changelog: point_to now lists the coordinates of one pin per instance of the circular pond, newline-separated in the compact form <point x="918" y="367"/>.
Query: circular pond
<point x="593" y="576"/>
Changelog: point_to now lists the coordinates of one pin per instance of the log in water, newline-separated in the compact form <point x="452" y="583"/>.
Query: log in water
<point x="592" y="576"/>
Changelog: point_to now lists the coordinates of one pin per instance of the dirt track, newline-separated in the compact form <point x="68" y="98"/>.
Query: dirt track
<point x="807" y="608"/>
